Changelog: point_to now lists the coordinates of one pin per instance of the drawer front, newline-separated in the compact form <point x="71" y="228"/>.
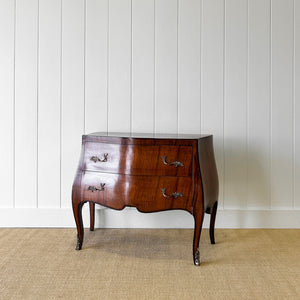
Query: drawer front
<point x="138" y="159"/>
<point x="146" y="193"/>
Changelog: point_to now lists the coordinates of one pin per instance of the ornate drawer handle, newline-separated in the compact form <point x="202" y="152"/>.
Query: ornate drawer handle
<point x="96" y="158"/>
<point x="93" y="188"/>
<point x="174" y="195"/>
<point x="175" y="163"/>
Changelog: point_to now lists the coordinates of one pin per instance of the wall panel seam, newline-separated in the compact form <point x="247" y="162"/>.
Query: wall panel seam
<point x="200" y="63"/>
<point x="154" y="69"/>
<point x="271" y="101"/>
<point x="107" y="69"/>
<point x="247" y="108"/>
<point x="37" y="101"/>
<point x="224" y="99"/>
<point x="131" y="59"/>
<point x="60" y="105"/>
<point x="84" y="64"/>
<point x="14" y="107"/>
<point x="294" y="110"/>
<point x="270" y="108"/>
<point x="177" y="75"/>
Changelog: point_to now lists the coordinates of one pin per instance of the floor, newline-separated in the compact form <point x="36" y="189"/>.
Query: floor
<point x="149" y="264"/>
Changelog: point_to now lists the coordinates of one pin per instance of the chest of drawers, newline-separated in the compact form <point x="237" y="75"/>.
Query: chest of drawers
<point x="150" y="172"/>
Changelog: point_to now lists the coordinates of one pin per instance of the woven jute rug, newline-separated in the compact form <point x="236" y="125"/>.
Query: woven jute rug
<point x="149" y="264"/>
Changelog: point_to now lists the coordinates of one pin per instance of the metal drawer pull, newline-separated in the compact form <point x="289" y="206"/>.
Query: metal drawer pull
<point x="174" y="195"/>
<point x="96" y="158"/>
<point x="93" y="188"/>
<point x="175" y="163"/>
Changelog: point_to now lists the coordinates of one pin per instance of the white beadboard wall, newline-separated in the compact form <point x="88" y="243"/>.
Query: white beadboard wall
<point x="226" y="67"/>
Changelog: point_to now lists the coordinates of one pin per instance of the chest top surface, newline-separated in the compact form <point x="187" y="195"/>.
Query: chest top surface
<point x="147" y="135"/>
<point x="144" y="138"/>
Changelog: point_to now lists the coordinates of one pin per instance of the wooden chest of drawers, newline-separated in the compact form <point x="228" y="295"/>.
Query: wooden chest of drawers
<point x="149" y="172"/>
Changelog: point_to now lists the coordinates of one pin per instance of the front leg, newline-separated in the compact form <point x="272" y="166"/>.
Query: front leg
<point x="77" y="210"/>
<point x="198" y="217"/>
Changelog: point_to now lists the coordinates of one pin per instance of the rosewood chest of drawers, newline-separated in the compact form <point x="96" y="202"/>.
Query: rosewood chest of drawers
<point x="150" y="172"/>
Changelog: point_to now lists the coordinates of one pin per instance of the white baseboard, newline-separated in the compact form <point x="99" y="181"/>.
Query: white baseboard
<point x="131" y="218"/>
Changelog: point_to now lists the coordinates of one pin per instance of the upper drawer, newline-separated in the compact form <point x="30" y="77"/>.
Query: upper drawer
<point x="138" y="159"/>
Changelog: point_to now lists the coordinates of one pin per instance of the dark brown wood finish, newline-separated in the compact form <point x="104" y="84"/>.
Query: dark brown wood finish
<point x="143" y="192"/>
<point x="149" y="172"/>
<point x="92" y="215"/>
<point x="137" y="159"/>
<point x="212" y="223"/>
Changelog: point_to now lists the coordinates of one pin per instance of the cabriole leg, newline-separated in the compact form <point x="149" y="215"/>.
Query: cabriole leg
<point x="92" y="216"/>
<point x="212" y="223"/>
<point x="197" y="232"/>
<point x="77" y="210"/>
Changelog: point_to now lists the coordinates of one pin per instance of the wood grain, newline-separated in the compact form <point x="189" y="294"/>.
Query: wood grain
<point x="138" y="160"/>
<point x="131" y="173"/>
<point x="142" y="192"/>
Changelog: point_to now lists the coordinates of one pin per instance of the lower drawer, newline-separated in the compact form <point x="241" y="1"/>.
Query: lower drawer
<point x="146" y="193"/>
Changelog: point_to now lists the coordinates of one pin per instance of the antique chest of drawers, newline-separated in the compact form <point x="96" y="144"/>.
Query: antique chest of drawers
<point x="150" y="172"/>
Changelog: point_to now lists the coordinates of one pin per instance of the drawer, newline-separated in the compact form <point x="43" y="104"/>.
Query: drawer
<point x="146" y="193"/>
<point x="138" y="159"/>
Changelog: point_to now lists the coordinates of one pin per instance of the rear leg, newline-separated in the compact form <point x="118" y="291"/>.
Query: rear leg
<point x="212" y="223"/>
<point x="92" y="216"/>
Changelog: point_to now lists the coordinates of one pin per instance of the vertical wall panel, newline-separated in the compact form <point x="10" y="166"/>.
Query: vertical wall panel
<point x="226" y="67"/>
<point x="7" y="27"/>
<point x="49" y="103"/>
<point x="142" y="65"/>
<point x="96" y="66"/>
<point x="212" y="83"/>
<point x="297" y="103"/>
<point x="26" y="103"/>
<point x="119" y="79"/>
<point x="235" y="110"/>
<point x="189" y="17"/>
<point x="259" y="105"/>
<point x="282" y="104"/>
<point x="166" y="96"/>
<point x="72" y="93"/>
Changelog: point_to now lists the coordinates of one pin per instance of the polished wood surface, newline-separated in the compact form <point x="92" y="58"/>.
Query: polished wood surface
<point x="161" y="136"/>
<point x="142" y="192"/>
<point x="138" y="159"/>
<point x="209" y="175"/>
<point x="151" y="174"/>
